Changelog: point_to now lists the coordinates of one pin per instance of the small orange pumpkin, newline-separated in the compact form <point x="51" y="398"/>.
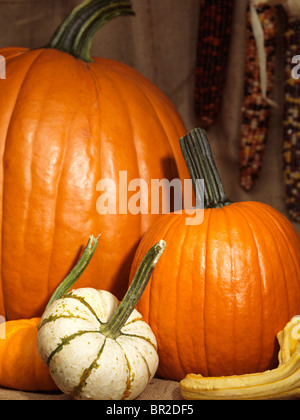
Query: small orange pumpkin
<point x="20" y="364"/>
<point x="223" y="288"/>
<point x="66" y="122"/>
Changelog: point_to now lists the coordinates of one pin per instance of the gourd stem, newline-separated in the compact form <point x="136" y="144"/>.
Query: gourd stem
<point x="201" y="165"/>
<point x="76" y="33"/>
<point x="76" y="272"/>
<point x="113" y="328"/>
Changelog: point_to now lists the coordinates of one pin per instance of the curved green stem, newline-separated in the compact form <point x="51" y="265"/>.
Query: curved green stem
<point x="201" y="165"/>
<point x="113" y="328"/>
<point x="76" y="33"/>
<point x="76" y="272"/>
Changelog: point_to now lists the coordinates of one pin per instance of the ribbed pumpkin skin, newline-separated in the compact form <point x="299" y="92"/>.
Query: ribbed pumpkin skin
<point x="222" y="290"/>
<point x="64" y="125"/>
<point x="20" y="364"/>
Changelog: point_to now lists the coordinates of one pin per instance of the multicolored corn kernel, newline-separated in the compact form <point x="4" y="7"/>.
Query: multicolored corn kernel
<point x="291" y="145"/>
<point x="256" y="109"/>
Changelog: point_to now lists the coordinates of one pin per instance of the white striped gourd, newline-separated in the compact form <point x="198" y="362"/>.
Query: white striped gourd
<point x="95" y="347"/>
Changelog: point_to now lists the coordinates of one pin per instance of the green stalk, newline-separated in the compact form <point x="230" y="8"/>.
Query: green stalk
<point x="201" y="165"/>
<point x="75" y="35"/>
<point x="76" y="272"/>
<point x="113" y="328"/>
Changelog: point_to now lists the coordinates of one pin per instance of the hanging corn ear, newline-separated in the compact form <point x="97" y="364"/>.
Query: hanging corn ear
<point x="259" y="77"/>
<point x="291" y="145"/>
<point x="212" y="52"/>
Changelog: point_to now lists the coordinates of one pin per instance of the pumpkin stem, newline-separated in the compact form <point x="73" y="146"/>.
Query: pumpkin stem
<point x="76" y="33"/>
<point x="113" y="328"/>
<point x="76" y="272"/>
<point x="201" y="165"/>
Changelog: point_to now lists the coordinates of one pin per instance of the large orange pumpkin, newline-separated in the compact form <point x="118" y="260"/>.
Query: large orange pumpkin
<point x="66" y="122"/>
<point x="224" y="288"/>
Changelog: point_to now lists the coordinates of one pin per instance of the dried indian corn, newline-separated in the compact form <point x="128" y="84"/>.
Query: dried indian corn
<point x="256" y="108"/>
<point x="291" y="145"/>
<point x="212" y="52"/>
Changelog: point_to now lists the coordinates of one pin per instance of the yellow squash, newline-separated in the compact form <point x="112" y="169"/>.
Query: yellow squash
<point x="276" y="384"/>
